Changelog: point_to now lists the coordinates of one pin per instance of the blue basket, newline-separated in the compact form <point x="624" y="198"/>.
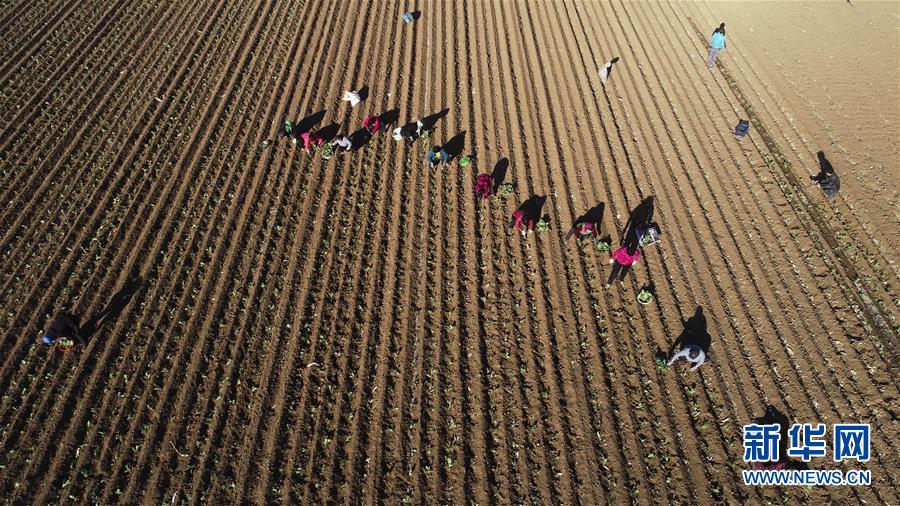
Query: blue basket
<point x="742" y="128"/>
<point x="407" y="17"/>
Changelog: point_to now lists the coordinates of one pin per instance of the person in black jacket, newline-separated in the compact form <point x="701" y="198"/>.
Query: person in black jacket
<point x="827" y="179"/>
<point x="66" y="325"/>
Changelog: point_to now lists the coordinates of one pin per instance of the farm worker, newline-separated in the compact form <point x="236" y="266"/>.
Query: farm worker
<point x="623" y="258"/>
<point x="288" y="129"/>
<point x="827" y="179"/>
<point x="410" y="132"/>
<point x="372" y="124"/>
<point x="311" y="139"/>
<point x="584" y="230"/>
<point x="716" y="45"/>
<point x="437" y="155"/>
<point x="65" y="325"/>
<point x="352" y="97"/>
<point x="522" y="222"/>
<point x="606" y="69"/>
<point x="344" y="142"/>
<point x="484" y="187"/>
<point x="692" y="353"/>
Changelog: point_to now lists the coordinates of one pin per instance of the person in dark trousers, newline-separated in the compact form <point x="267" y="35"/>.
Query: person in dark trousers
<point x="66" y="325"/>
<point x="827" y="179"/>
<point x="716" y="45"/>
<point x="623" y="259"/>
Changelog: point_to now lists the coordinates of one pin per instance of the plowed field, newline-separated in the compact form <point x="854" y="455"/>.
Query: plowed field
<point x="266" y="325"/>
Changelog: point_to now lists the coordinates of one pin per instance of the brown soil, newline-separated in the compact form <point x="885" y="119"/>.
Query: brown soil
<point x="284" y="328"/>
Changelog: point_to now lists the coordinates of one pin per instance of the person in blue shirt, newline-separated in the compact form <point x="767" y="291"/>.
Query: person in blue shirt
<point x="436" y="156"/>
<point x="716" y="45"/>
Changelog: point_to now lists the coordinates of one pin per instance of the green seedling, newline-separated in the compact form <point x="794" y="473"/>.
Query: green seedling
<point x="645" y="297"/>
<point x="661" y="365"/>
<point x="506" y="189"/>
<point x="543" y="225"/>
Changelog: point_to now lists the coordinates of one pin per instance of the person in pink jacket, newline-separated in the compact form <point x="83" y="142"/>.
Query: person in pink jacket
<point x="522" y="222"/>
<point x="372" y="124"/>
<point x="622" y="259"/>
<point x="311" y="140"/>
<point x="483" y="187"/>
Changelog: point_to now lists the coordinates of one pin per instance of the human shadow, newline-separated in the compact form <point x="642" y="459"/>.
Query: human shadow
<point x="695" y="333"/>
<point x="306" y="124"/>
<point x="416" y="15"/>
<point x="772" y="416"/>
<point x="363" y="92"/>
<point x="593" y="216"/>
<point x="454" y="146"/>
<point x="533" y="206"/>
<point x="640" y="217"/>
<point x="825" y="168"/>
<point x="428" y="122"/>
<point x="360" y="138"/>
<point x="499" y="174"/>
<point x="113" y="308"/>
<point x="328" y="133"/>
<point x="389" y="118"/>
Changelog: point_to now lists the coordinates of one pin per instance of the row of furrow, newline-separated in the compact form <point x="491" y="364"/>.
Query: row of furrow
<point x="27" y="87"/>
<point x="728" y="432"/>
<point x="502" y="476"/>
<point x="269" y="482"/>
<point x="175" y="393"/>
<point x="364" y="460"/>
<point x="445" y="322"/>
<point x="61" y="152"/>
<point x="61" y="274"/>
<point x="562" y="201"/>
<point x="24" y="13"/>
<point x="691" y="144"/>
<point x="227" y="384"/>
<point x="874" y="298"/>
<point x="71" y="18"/>
<point x="827" y="343"/>
<point x="788" y="131"/>
<point x="425" y="403"/>
<point x="630" y="362"/>
<point x="866" y="264"/>
<point x="558" y="456"/>
<point x="820" y="327"/>
<point x="308" y="285"/>
<point x="709" y="388"/>
<point x="685" y="453"/>
<point x="405" y="480"/>
<point x="478" y="448"/>
<point x="342" y="309"/>
<point x="165" y="254"/>
<point x="391" y="481"/>
<point x="642" y="163"/>
<point x="67" y="228"/>
<point x="544" y="467"/>
<point x="254" y="477"/>
<point x="145" y="207"/>
<point x="531" y="471"/>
